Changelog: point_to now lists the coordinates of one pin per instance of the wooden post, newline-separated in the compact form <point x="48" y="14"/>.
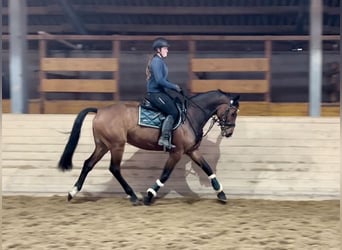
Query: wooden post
<point x="116" y="74"/>
<point x="42" y="74"/>
<point x="268" y="55"/>
<point x="192" y="51"/>
<point x="18" y="56"/>
<point x="316" y="58"/>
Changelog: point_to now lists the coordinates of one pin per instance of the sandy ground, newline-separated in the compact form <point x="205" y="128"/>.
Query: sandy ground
<point x="184" y="223"/>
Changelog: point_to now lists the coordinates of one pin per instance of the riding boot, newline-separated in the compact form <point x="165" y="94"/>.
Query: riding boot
<point x="166" y="137"/>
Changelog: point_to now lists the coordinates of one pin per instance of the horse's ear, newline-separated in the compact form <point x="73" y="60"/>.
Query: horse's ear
<point x="236" y="98"/>
<point x="235" y="101"/>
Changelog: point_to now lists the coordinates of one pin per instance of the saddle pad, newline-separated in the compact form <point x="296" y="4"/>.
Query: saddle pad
<point x="150" y="118"/>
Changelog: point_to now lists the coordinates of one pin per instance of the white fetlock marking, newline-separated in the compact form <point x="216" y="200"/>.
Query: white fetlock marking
<point x="212" y="176"/>
<point x="159" y="183"/>
<point x="220" y="189"/>
<point x="73" y="192"/>
<point x="152" y="191"/>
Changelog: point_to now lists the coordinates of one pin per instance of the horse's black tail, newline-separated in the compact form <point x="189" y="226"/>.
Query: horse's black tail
<point x="65" y="163"/>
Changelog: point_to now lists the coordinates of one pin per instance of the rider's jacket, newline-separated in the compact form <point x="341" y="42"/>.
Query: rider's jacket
<point x="158" y="79"/>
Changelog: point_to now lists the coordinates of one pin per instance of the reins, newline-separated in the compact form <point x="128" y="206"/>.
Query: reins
<point x="186" y="100"/>
<point x="214" y="119"/>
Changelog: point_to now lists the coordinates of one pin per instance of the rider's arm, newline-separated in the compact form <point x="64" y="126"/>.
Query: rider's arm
<point x="160" y="77"/>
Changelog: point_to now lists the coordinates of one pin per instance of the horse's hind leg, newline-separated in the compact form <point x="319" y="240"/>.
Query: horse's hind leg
<point x="88" y="165"/>
<point x="115" y="169"/>
<point x="197" y="157"/>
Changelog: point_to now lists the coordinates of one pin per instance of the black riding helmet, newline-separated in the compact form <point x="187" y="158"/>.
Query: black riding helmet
<point x="159" y="43"/>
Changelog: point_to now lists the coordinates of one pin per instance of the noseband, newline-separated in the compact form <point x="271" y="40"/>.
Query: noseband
<point x="223" y="123"/>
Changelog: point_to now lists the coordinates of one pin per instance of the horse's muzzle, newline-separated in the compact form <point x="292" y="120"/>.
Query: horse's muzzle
<point x="227" y="133"/>
<point x="227" y="129"/>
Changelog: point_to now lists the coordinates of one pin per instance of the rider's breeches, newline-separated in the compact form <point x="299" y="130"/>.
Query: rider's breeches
<point x="164" y="103"/>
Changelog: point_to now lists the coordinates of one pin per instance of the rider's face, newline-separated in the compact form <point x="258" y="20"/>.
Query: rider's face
<point x="163" y="51"/>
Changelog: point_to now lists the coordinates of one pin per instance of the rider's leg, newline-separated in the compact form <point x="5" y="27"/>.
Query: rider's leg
<point x="165" y="139"/>
<point x="167" y="106"/>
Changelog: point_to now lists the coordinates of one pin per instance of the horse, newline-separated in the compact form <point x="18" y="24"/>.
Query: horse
<point x="117" y="124"/>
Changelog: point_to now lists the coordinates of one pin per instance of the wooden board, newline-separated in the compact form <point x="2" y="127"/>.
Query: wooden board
<point x="79" y="64"/>
<point x="33" y="106"/>
<point x="246" y="108"/>
<point x="247" y="85"/>
<point x="231" y="86"/>
<point x="72" y="106"/>
<point x="229" y="64"/>
<point x="79" y="85"/>
<point x="267" y="157"/>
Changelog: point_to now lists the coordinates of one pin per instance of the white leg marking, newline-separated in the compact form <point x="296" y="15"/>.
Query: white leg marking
<point x="159" y="183"/>
<point x="151" y="190"/>
<point x="73" y="192"/>
<point x="212" y="176"/>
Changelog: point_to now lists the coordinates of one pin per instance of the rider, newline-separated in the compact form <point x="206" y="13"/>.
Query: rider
<point x="157" y="83"/>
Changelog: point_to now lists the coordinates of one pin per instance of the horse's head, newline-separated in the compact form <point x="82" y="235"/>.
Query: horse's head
<point x="226" y="115"/>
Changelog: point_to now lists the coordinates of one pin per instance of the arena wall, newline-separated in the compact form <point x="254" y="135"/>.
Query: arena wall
<point x="267" y="157"/>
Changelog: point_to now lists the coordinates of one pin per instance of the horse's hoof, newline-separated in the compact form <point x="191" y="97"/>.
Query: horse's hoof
<point x="147" y="201"/>
<point x="221" y="196"/>
<point x="149" y="198"/>
<point x="69" y="197"/>
<point x="135" y="201"/>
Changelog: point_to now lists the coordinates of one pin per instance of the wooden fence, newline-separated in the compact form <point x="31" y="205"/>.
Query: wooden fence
<point x="249" y="86"/>
<point x="78" y="65"/>
<point x="244" y="85"/>
<point x="267" y="157"/>
<point x="196" y="65"/>
<point x="246" y="108"/>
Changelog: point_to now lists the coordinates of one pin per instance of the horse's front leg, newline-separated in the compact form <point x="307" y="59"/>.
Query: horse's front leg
<point x="168" y="168"/>
<point x="197" y="157"/>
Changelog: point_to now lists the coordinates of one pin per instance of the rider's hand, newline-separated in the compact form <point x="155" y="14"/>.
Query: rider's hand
<point x="178" y="88"/>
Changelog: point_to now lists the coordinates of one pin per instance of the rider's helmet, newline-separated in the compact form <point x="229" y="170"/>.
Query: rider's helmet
<point x="159" y="43"/>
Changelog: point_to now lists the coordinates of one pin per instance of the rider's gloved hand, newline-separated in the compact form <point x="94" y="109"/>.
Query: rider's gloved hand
<point x="178" y="88"/>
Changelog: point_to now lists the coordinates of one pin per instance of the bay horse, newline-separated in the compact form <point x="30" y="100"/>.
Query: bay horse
<point x="117" y="124"/>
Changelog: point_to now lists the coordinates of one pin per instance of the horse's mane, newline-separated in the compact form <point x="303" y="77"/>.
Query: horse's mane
<point x="233" y="99"/>
<point x="212" y="91"/>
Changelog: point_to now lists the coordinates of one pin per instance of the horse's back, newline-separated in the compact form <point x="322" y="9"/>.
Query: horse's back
<point x="115" y="120"/>
<point x="118" y="123"/>
<point x="118" y="113"/>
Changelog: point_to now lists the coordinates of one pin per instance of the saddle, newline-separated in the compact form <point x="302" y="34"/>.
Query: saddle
<point x="150" y="116"/>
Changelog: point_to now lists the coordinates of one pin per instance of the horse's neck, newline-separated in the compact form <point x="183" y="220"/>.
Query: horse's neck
<point x="208" y="104"/>
<point x="202" y="110"/>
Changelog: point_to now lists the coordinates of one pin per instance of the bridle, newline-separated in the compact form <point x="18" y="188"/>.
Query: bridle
<point x="223" y="123"/>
